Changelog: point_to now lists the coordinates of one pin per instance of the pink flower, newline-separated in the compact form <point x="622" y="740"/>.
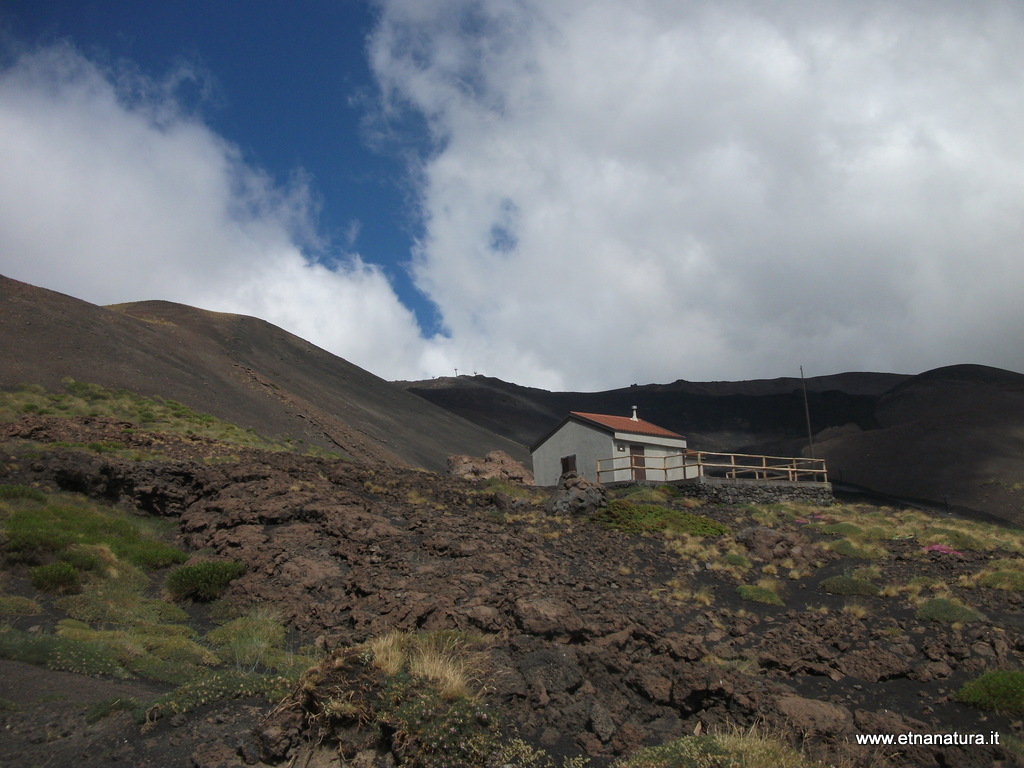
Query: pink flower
<point x="943" y="549"/>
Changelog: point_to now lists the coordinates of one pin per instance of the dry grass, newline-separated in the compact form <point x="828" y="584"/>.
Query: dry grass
<point x="454" y="662"/>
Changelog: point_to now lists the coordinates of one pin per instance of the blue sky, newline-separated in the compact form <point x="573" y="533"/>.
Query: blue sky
<point x="573" y="195"/>
<point x="291" y="87"/>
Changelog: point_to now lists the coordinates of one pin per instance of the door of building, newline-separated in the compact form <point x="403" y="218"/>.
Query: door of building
<point x="637" y="461"/>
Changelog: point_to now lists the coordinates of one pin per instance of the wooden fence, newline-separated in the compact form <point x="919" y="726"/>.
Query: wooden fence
<point x="693" y="464"/>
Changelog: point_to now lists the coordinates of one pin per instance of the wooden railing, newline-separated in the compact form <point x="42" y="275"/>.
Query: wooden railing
<point x="694" y="464"/>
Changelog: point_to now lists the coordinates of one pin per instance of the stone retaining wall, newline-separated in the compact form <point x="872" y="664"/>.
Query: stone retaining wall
<point x="718" y="490"/>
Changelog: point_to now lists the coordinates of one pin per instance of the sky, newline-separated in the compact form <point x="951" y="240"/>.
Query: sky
<point x="582" y="194"/>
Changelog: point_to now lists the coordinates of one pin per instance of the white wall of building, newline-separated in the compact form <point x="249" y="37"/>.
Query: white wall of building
<point x="590" y="443"/>
<point x="587" y="443"/>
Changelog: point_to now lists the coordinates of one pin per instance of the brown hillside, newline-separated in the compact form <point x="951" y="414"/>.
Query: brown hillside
<point x="237" y="368"/>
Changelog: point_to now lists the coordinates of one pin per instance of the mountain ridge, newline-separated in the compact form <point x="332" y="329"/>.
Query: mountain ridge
<point x="235" y="367"/>
<point x="952" y="437"/>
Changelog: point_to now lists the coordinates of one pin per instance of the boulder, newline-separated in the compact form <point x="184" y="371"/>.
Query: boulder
<point x="575" y="495"/>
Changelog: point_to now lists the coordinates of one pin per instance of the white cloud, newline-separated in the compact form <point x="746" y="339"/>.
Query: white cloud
<point x="642" y="191"/>
<point x="111" y="192"/>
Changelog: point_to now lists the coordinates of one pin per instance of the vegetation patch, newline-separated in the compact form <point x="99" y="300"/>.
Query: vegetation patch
<point x="155" y="414"/>
<point x="958" y="540"/>
<point x="204" y="581"/>
<point x="997" y="691"/>
<point x="848" y="585"/>
<point x="39" y="528"/>
<point x="257" y="641"/>
<point x="421" y="694"/>
<point x="120" y="602"/>
<point x="61" y="653"/>
<point x="218" y="685"/>
<point x="948" y="610"/>
<point x="747" y="749"/>
<point x="630" y="517"/>
<point x="861" y="551"/>
<point x="56" y="578"/>
<point x="758" y="593"/>
<point x="15" y="605"/>
<point x="1011" y="581"/>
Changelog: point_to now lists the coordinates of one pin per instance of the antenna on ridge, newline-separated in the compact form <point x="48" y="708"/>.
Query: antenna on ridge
<point x="807" y="413"/>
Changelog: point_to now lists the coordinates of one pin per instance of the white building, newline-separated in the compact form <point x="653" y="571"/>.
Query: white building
<point x="610" y="449"/>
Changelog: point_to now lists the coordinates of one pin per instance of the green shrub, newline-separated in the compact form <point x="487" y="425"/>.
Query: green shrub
<point x="56" y="578"/>
<point x="848" y="585"/>
<point x="204" y="581"/>
<point x="997" y="691"/>
<point x="947" y="610"/>
<point x="758" y="594"/>
<point x="626" y="516"/>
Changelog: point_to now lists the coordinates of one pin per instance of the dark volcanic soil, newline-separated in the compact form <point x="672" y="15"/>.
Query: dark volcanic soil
<point x="599" y="642"/>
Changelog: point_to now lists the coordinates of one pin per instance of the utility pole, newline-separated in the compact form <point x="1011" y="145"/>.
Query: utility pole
<point x="807" y="413"/>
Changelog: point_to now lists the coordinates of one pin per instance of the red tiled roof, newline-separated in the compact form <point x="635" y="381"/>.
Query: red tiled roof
<point x="626" y="424"/>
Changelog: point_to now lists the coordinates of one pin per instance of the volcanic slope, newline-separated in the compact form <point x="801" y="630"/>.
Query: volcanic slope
<point x="653" y="619"/>
<point x="240" y="369"/>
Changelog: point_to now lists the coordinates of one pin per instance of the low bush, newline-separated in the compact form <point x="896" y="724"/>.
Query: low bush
<point x="997" y="691"/>
<point x="848" y="585"/>
<point x="947" y="610"/>
<point x="629" y="517"/>
<point x="204" y="581"/>
<point x="56" y="578"/>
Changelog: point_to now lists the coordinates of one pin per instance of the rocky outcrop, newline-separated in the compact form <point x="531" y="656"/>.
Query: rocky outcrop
<point x="598" y="643"/>
<point x="576" y="496"/>
<point x="496" y="464"/>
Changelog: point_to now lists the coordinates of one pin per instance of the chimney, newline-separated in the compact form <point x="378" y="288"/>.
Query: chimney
<point x="633" y="417"/>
